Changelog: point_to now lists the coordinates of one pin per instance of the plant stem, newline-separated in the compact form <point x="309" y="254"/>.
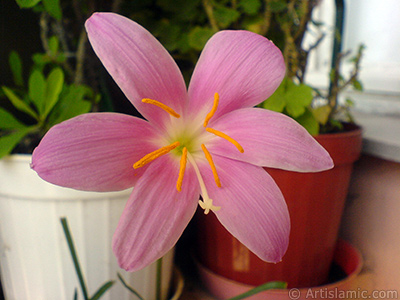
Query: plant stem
<point x="159" y="279"/>
<point x="210" y="14"/>
<point x="74" y="257"/>
<point x="80" y="58"/>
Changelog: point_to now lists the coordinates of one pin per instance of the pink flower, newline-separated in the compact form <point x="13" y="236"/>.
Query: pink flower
<point x="206" y="141"/>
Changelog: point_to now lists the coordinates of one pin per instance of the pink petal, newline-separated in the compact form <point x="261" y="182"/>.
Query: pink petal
<point x="243" y="67"/>
<point x="252" y="207"/>
<point x="94" y="152"/>
<point x="155" y="215"/>
<point x="269" y="139"/>
<point x="139" y="64"/>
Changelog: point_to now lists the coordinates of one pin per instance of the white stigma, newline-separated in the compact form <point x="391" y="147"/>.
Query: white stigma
<point x="207" y="203"/>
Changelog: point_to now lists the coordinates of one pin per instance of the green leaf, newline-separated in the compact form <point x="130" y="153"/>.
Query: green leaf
<point x="298" y="97"/>
<point x="71" y="104"/>
<point x="27" y="3"/>
<point x="250" y="7"/>
<point x="198" y="37"/>
<point x="18" y="103"/>
<point x="357" y="85"/>
<point x="309" y="122"/>
<point x="41" y="59"/>
<point x="54" y="85"/>
<point x="9" y="141"/>
<point x="54" y="44"/>
<point x="7" y="121"/>
<point x="261" y="288"/>
<point x="225" y="16"/>
<point x="277" y="101"/>
<point x="277" y="6"/>
<point x="102" y="290"/>
<point x="37" y="90"/>
<point x="53" y="8"/>
<point x="322" y="113"/>
<point x="16" y="68"/>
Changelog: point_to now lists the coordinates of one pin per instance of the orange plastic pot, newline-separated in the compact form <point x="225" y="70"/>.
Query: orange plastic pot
<point x="315" y="202"/>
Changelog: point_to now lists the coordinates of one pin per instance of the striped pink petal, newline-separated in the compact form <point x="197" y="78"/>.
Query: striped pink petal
<point x="139" y="64"/>
<point x="243" y="67"/>
<point x="252" y="207"/>
<point x="155" y="215"/>
<point x="94" y="152"/>
<point x="270" y="139"/>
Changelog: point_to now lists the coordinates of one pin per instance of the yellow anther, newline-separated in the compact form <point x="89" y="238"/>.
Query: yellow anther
<point x="155" y="154"/>
<point x="212" y="165"/>
<point x="162" y="106"/>
<point x="226" y="137"/>
<point x="213" y="110"/>
<point x="182" y="169"/>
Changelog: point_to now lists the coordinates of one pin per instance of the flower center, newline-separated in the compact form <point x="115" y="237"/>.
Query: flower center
<point x="181" y="146"/>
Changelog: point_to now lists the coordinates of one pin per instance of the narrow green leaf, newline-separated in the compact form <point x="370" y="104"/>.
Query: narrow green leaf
<point x="74" y="256"/>
<point x="54" y="85"/>
<point x="9" y="141"/>
<point x="7" y="121"/>
<point x="76" y="294"/>
<point x="128" y="287"/>
<point x="53" y="8"/>
<point x="159" y="278"/>
<point x="261" y="288"/>
<point x="37" y="90"/>
<point x="19" y="103"/>
<point x="27" y="3"/>
<point x="16" y="68"/>
<point x="102" y="290"/>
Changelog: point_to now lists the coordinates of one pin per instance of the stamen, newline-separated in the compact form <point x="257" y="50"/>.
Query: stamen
<point x="162" y="106"/>
<point x="207" y="203"/>
<point x="213" y="110"/>
<point x="212" y="165"/>
<point x="182" y="169"/>
<point x="155" y="154"/>
<point x="226" y="137"/>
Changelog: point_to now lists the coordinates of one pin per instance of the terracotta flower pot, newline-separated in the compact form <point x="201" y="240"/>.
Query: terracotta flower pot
<point x="346" y="257"/>
<point x="315" y="202"/>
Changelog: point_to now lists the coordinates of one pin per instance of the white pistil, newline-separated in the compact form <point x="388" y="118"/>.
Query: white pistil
<point x="207" y="203"/>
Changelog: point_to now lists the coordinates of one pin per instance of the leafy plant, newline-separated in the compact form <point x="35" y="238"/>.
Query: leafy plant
<point x="317" y="111"/>
<point x="33" y="107"/>
<point x="285" y="22"/>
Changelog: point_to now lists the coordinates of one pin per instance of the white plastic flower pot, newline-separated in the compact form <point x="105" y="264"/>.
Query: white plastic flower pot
<point x="34" y="256"/>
